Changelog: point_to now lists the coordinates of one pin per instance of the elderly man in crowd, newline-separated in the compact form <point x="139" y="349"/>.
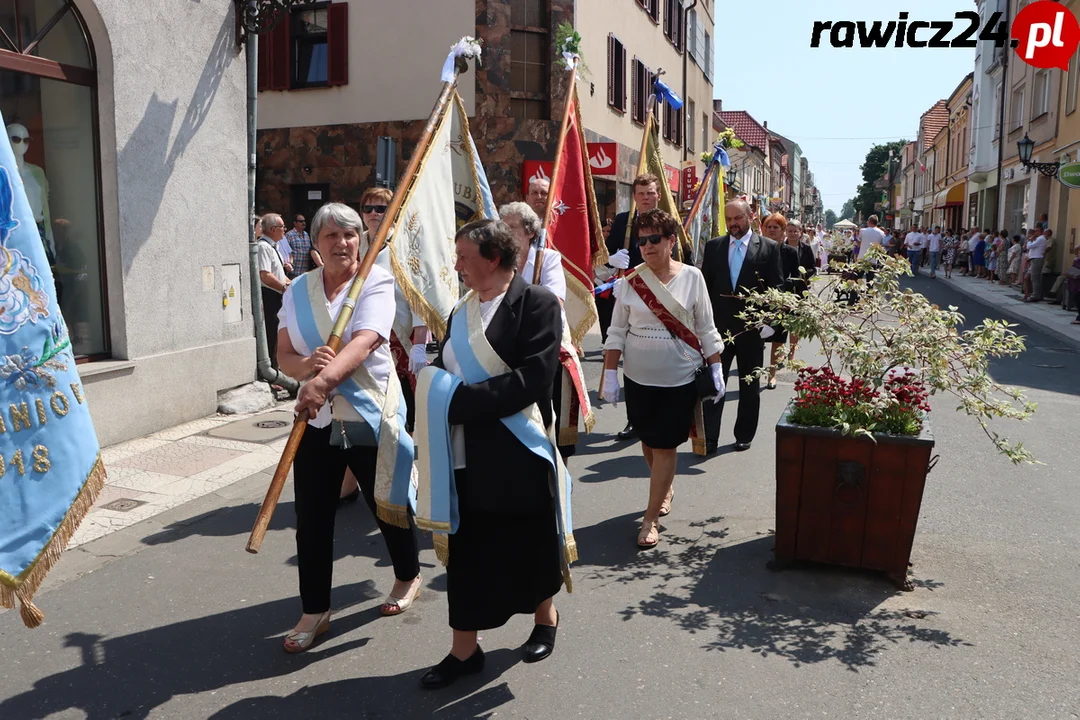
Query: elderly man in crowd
<point x="537" y="196"/>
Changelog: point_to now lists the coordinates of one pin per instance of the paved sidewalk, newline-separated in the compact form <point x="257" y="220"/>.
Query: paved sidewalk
<point x="149" y="475"/>
<point x="1049" y="318"/>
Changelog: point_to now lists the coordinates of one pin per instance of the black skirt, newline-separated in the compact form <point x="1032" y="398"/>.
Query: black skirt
<point x="501" y="565"/>
<point x="661" y="416"/>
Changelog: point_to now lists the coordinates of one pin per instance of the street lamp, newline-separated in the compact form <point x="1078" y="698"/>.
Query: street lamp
<point x="732" y="176"/>
<point x="1025" y="147"/>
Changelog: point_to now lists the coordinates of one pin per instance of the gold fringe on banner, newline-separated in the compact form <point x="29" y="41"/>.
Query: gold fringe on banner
<point x="441" y="541"/>
<point x="22" y="588"/>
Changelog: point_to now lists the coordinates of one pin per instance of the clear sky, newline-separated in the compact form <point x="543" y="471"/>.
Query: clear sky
<point x="836" y="103"/>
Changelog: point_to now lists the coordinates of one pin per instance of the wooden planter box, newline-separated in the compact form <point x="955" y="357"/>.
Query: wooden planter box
<point x="849" y="501"/>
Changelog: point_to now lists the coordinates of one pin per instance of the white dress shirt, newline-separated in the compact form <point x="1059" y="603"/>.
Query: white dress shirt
<point x="552" y="275"/>
<point x="1037" y="248"/>
<point x="934" y="242"/>
<point x="269" y="260"/>
<point x="374" y="311"/>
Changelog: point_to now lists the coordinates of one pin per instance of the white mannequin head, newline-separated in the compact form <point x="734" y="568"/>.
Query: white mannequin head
<point x="20" y="139"/>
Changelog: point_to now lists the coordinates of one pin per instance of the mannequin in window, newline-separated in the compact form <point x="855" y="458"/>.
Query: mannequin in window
<point x="37" y="187"/>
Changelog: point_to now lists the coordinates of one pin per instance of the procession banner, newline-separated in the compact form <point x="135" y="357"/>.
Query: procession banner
<point x="451" y="189"/>
<point x="50" y="467"/>
<point x="706" y="218"/>
<point x="574" y="226"/>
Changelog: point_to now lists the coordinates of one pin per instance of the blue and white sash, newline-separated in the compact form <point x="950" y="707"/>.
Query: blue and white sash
<point x="436" y="507"/>
<point x="383" y="409"/>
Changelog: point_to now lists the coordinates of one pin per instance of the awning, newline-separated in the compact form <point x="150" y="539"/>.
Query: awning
<point x="951" y="197"/>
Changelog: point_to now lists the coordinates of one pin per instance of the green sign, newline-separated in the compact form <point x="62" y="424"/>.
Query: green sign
<point x="1070" y="175"/>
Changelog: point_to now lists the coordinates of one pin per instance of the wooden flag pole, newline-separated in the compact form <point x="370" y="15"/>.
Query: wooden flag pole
<point x="262" y="522"/>
<point x="556" y="173"/>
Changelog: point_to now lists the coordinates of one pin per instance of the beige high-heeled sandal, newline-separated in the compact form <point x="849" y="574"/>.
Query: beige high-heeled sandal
<point x="395" y="605"/>
<point x="297" y="641"/>
<point x="649" y="535"/>
<point x="665" y="507"/>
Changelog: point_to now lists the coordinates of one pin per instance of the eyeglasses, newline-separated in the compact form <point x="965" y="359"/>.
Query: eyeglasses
<point x="16" y="139"/>
<point x="381" y="209"/>
<point x="646" y="239"/>
<point x="278" y="227"/>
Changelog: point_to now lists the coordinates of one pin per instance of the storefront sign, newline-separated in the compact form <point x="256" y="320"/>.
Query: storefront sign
<point x="689" y="179"/>
<point x="672" y="177"/>
<point x="1069" y="175"/>
<point x="540" y="169"/>
<point x="604" y="158"/>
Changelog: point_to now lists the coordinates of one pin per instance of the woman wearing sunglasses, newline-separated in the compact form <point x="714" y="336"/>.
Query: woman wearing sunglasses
<point x="662" y="328"/>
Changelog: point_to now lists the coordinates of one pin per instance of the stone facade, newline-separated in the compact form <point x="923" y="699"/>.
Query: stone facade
<point x="344" y="156"/>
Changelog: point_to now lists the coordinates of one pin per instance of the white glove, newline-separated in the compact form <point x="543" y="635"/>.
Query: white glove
<point x="620" y="260"/>
<point x="767" y="332"/>
<point x="417" y="358"/>
<point x="610" y="389"/>
<point x="717" y="370"/>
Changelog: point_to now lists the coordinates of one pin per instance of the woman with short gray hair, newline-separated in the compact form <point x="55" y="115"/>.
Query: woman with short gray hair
<point x="350" y="425"/>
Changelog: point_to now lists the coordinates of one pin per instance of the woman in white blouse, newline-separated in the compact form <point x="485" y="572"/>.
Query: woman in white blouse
<point x="321" y="458"/>
<point x="525" y="224"/>
<point x="662" y="328"/>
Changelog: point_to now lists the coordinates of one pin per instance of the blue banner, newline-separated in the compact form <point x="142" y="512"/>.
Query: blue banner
<point x="50" y="469"/>
<point x="666" y="94"/>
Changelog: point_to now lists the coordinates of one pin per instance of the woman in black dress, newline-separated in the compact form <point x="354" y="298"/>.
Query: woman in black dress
<point x="775" y="228"/>
<point x="505" y="557"/>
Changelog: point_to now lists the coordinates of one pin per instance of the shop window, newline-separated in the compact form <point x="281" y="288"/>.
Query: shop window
<point x="47" y="97"/>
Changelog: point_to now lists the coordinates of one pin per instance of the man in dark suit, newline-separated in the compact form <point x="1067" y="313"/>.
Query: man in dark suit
<point x="646" y="197"/>
<point x="739" y="262"/>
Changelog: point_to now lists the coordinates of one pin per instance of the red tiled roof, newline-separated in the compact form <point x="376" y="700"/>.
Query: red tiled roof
<point x="747" y="128"/>
<point x="933" y="122"/>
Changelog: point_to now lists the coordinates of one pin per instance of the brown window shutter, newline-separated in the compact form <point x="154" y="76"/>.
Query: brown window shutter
<point x="622" y="77"/>
<point x="634" y="80"/>
<point x="280" y="57"/>
<point x="265" y="44"/>
<point x="667" y="19"/>
<point x="337" y="39"/>
<point x="611" y="63"/>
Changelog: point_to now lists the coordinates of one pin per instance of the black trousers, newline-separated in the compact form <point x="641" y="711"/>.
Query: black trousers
<point x="748" y="351"/>
<point x="605" y="307"/>
<point x="317" y="473"/>
<point x="271" y="307"/>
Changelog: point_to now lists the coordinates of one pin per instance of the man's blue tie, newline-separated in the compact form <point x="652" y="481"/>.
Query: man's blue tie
<point x="736" y="264"/>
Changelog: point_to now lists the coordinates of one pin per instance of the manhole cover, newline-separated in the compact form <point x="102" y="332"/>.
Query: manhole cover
<point x="123" y="504"/>
<point x="271" y="424"/>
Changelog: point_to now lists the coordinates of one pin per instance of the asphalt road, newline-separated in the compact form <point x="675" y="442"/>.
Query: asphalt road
<point x="173" y="619"/>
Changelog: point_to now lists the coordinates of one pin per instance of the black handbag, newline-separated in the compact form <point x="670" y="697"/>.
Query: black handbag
<point x="703" y="381"/>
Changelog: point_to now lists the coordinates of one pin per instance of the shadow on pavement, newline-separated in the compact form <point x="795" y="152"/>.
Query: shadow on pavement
<point x="633" y="466"/>
<point x="723" y="593"/>
<point x="396" y="696"/>
<point x="131" y="675"/>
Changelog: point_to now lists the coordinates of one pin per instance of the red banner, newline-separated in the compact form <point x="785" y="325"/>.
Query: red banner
<point x="604" y="158"/>
<point x="689" y="180"/>
<point x="535" y="169"/>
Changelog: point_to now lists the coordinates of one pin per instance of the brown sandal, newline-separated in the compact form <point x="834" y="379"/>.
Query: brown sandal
<point x="649" y="535"/>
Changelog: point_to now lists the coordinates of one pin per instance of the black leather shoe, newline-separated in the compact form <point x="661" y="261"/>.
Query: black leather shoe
<point x="541" y="643"/>
<point x="450" y="669"/>
<point x="742" y="446"/>
<point x="627" y="433"/>
<point x="710" y="448"/>
<point x="349" y="499"/>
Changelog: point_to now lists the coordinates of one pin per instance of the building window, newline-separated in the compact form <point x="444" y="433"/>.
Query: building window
<point x="616" y="81"/>
<point x="529" y="49"/>
<point x="673" y="22"/>
<point x="704" y="131"/>
<point x="1017" y="108"/>
<point x="652" y="7"/>
<point x="673" y="124"/>
<point x="707" y="57"/>
<point x="310" y="59"/>
<point x="692" y="42"/>
<point x="691" y="121"/>
<point x="997" y="111"/>
<point x="309" y="48"/>
<point x="641" y="79"/>
<point x="1040" y="94"/>
<point x="48" y="96"/>
<point x="1072" y="80"/>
